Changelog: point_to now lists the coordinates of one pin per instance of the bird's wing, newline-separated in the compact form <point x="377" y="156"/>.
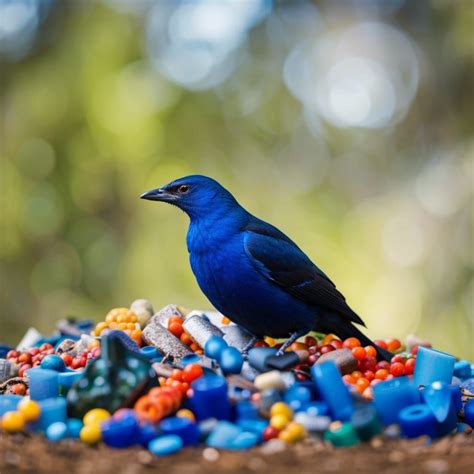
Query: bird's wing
<point x="280" y="260"/>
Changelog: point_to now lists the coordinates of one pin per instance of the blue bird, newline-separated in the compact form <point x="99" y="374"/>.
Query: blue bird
<point x="252" y="272"/>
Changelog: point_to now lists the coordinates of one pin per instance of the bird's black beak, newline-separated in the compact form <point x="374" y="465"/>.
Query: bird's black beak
<point x="158" y="195"/>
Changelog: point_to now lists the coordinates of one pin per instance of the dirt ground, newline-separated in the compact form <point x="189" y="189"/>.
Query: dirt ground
<point x="32" y="454"/>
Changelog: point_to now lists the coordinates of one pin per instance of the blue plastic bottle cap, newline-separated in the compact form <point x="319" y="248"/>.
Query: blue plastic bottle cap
<point x="165" y="445"/>
<point x="223" y="435"/>
<point x="43" y="383"/>
<point x="150" y="352"/>
<point x="183" y="427"/>
<point x="74" y="426"/>
<point x="214" y="347"/>
<point x="53" y="362"/>
<point x="231" y="360"/>
<point x="190" y="359"/>
<point x="121" y="431"/>
<point x="417" y="420"/>
<point x="210" y="398"/>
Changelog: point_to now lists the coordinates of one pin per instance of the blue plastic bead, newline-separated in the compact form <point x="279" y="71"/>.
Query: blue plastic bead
<point x="4" y="350"/>
<point x="223" y="435"/>
<point x="439" y="399"/>
<point x="462" y="369"/>
<point x="66" y="380"/>
<point x="417" y="420"/>
<point x="433" y="366"/>
<point x="214" y="347"/>
<point x="210" y="399"/>
<point x="43" y="383"/>
<point x="256" y="425"/>
<point x="183" y="427"/>
<point x="297" y="396"/>
<point x="74" y="427"/>
<point x="332" y="389"/>
<point x="469" y="413"/>
<point x="150" y="352"/>
<point x="56" y="431"/>
<point x="53" y="362"/>
<point x="52" y="410"/>
<point x="121" y="432"/>
<point x="258" y="356"/>
<point x="245" y="440"/>
<point x="246" y="410"/>
<point x="316" y="408"/>
<point x="165" y="445"/>
<point x="190" y="359"/>
<point x="147" y="433"/>
<point x="457" y="396"/>
<point x="231" y="360"/>
<point x="392" y="396"/>
<point x="9" y="403"/>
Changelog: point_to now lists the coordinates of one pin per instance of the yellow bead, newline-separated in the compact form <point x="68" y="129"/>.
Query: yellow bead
<point x="270" y="341"/>
<point x="96" y="416"/>
<point x="91" y="434"/>
<point x="185" y="413"/>
<point x="285" y="436"/>
<point x="279" y="421"/>
<point x="29" y="409"/>
<point x="280" y="408"/>
<point x="296" y="430"/>
<point x="13" y="422"/>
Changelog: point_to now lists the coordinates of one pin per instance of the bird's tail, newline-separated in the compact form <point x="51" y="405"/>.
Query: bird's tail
<point x="349" y="330"/>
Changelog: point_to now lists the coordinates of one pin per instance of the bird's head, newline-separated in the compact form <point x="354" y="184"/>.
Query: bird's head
<point x="198" y="196"/>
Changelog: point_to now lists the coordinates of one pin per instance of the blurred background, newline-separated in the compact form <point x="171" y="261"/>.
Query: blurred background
<point x="346" y="124"/>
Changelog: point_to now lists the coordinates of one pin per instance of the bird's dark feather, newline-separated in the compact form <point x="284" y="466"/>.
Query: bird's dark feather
<point x="280" y="260"/>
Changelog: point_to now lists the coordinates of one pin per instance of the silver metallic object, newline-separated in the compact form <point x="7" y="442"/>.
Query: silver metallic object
<point x="5" y="370"/>
<point x="169" y="345"/>
<point x="200" y="328"/>
<point x="236" y="336"/>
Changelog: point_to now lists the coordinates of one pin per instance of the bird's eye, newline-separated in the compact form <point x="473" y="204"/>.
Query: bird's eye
<point x="183" y="189"/>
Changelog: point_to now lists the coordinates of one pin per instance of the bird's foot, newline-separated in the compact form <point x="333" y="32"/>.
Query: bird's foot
<point x="290" y="340"/>
<point x="250" y="344"/>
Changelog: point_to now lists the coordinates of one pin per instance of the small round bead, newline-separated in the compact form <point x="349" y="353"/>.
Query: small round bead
<point x="279" y="421"/>
<point x="12" y="422"/>
<point x="56" y="431"/>
<point x="90" y="434"/>
<point x="281" y="408"/>
<point x="96" y="416"/>
<point x="185" y="413"/>
<point x="29" y="409"/>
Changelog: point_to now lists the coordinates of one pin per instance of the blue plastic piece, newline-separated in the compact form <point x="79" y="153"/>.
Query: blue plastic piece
<point x="462" y="369"/>
<point x="316" y="408"/>
<point x="214" y="347"/>
<point x="223" y="435"/>
<point x="4" y="350"/>
<point x="245" y="409"/>
<point x="57" y="431"/>
<point x="449" y="424"/>
<point x="433" y="366"/>
<point x="468" y="386"/>
<point x="147" y="433"/>
<point x="391" y="396"/>
<point x="268" y="398"/>
<point x="439" y="399"/>
<point x="332" y="389"/>
<point x="165" y="445"/>
<point x="121" y="431"/>
<point x="150" y="352"/>
<point x="457" y="396"/>
<point x="469" y="413"/>
<point x="231" y="360"/>
<point x="9" y="403"/>
<point x="210" y="399"/>
<point x="256" y="425"/>
<point x="245" y="440"/>
<point x="74" y="427"/>
<point x="297" y="396"/>
<point x="190" y="359"/>
<point x="67" y="379"/>
<point x="417" y="420"/>
<point x="43" y="383"/>
<point x="53" y="362"/>
<point x="52" y="410"/>
<point x="183" y="427"/>
<point x="258" y="356"/>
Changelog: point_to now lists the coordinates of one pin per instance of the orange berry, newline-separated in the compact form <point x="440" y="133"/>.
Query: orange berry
<point x="225" y="320"/>
<point x="351" y="342"/>
<point x="113" y="325"/>
<point x="100" y="327"/>
<point x="362" y="384"/>
<point x="359" y="353"/>
<point x="356" y="374"/>
<point x="185" y="339"/>
<point x="175" y="319"/>
<point x="381" y="374"/>
<point x="122" y="326"/>
<point x="393" y="345"/>
<point x="370" y="351"/>
<point x="175" y="328"/>
<point x="349" y="379"/>
<point x="131" y="326"/>
<point x="328" y="338"/>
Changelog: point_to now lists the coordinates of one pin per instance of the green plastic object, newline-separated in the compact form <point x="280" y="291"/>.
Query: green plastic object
<point x="366" y="422"/>
<point x="344" y="435"/>
<point x="114" y="380"/>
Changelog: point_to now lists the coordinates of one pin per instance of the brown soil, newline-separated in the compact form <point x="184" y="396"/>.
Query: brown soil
<point x="32" y="454"/>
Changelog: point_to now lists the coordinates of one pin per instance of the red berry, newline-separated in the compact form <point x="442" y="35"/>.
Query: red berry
<point x="410" y="366"/>
<point x="369" y="363"/>
<point x="310" y="341"/>
<point x="369" y="375"/>
<point x="12" y="354"/>
<point x="24" y="357"/>
<point x="393" y="345"/>
<point x="326" y="348"/>
<point x="269" y="433"/>
<point x="33" y="351"/>
<point x="191" y="372"/>
<point x="312" y="359"/>
<point x="67" y="358"/>
<point x="23" y="368"/>
<point x="336" y="343"/>
<point x="44" y="347"/>
<point x="383" y="364"/>
<point x="397" y="369"/>
<point x="381" y="374"/>
<point x="397" y="358"/>
<point x="414" y="350"/>
<point x="381" y="343"/>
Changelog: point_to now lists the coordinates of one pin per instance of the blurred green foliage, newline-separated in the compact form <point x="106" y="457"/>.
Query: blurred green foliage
<point x="88" y="125"/>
